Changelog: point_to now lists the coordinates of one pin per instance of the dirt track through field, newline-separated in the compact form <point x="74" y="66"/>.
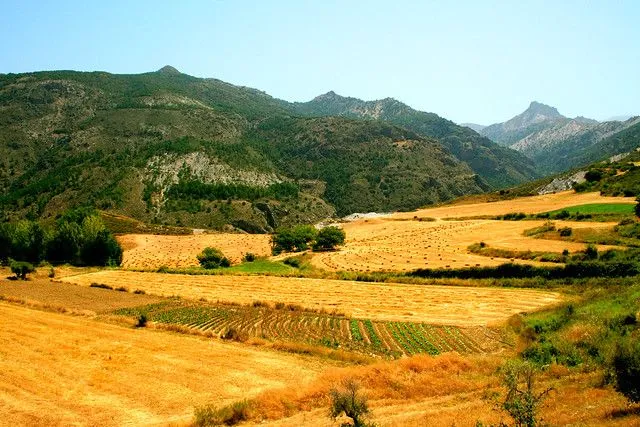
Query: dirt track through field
<point x="66" y="370"/>
<point x="449" y="305"/>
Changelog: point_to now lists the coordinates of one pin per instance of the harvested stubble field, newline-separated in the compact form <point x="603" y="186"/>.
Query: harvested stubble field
<point x="43" y="292"/>
<point x="528" y="205"/>
<point x="402" y="242"/>
<point x="67" y="370"/>
<point x="445" y="305"/>
<point x="146" y="251"/>
<point x="392" y="339"/>
<point x="387" y="244"/>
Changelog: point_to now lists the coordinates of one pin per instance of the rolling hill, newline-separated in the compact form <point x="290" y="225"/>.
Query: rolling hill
<point x="497" y="166"/>
<point x="168" y="148"/>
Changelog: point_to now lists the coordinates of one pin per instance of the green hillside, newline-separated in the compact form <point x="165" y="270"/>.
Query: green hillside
<point x="168" y="148"/>
<point x="497" y="166"/>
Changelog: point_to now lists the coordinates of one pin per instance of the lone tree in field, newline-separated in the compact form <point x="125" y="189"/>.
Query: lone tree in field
<point x="21" y="269"/>
<point x="350" y="402"/>
<point x="637" y="208"/>
<point x="328" y="238"/>
<point x="211" y="258"/>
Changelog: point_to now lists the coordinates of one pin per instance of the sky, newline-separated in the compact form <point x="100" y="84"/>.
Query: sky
<point x="469" y="61"/>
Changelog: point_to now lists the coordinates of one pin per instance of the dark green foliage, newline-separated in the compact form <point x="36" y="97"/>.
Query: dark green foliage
<point x="249" y="257"/>
<point x="199" y="190"/>
<point x="593" y="175"/>
<point x="103" y="249"/>
<point x="349" y="401"/>
<point x="626" y="365"/>
<point x="514" y="216"/>
<point x="636" y="208"/>
<point x="64" y="242"/>
<point x="64" y="246"/>
<point x="565" y="231"/>
<point x="21" y="268"/>
<point x="28" y="241"/>
<point x="141" y="321"/>
<point x="328" y="238"/>
<point x="295" y="239"/>
<point x="211" y="258"/>
<point x="293" y="262"/>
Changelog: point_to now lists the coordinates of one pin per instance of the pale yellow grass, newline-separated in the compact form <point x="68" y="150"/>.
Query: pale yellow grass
<point x="463" y="306"/>
<point x="65" y="370"/>
<point x="147" y="251"/>
<point x="385" y="244"/>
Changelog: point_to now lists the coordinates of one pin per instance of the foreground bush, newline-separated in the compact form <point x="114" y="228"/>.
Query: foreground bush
<point x="211" y="258"/>
<point x="227" y="415"/>
<point x="349" y="401"/>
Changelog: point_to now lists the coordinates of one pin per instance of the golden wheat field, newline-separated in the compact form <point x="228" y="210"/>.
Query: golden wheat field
<point x="528" y="205"/>
<point x="448" y="305"/>
<point x="387" y="244"/>
<point x="145" y="251"/>
<point x="68" y="370"/>
<point x="396" y="242"/>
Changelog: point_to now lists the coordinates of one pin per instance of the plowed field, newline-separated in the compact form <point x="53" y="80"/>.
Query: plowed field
<point x="446" y="305"/>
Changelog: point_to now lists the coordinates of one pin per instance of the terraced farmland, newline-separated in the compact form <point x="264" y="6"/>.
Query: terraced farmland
<point x="392" y="339"/>
<point x="446" y="305"/>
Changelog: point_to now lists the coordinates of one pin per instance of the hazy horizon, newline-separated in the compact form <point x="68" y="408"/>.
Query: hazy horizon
<point x="468" y="62"/>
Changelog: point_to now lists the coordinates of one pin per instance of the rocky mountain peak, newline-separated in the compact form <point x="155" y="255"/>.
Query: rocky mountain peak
<point x="168" y="69"/>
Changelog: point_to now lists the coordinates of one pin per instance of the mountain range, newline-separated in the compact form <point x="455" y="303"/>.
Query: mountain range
<point x="169" y="148"/>
<point x="555" y="142"/>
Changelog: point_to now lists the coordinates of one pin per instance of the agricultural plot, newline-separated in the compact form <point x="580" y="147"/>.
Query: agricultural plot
<point x="146" y="251"/>
<point x="69" y="370"/>
<point x="392" y="339"/>
<point x="387" y="244"/>
<point x="528" y="205"/>
<point x="445" y="305"/>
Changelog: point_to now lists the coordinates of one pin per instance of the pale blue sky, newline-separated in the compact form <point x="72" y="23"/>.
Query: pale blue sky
<point x="465" y="60"/>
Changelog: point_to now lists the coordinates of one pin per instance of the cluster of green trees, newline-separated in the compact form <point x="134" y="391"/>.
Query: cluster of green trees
<point x="78" y="238"/>
<point x="211" y="258"/>
<point x="302" y="237"/>
<point x="200" y="190"/>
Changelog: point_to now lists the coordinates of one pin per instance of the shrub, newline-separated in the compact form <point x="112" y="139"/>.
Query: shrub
<point x="249" y="257"/>
<point x="141" y="321"/>
<point x="328" y="238"/>
<point x="211" y="258"/>
<point x="626" y="365"/>
<point x="636" y="209"/>
<point x="564" y="214"/>
<point x="350" y="402"/>
<point x="234" y="334"/>
<point x="293" y="262"/>
<point x="565" y="231"/>
<point x="593" y="175"/>
<point x="521" y="401"/>
<point x="21" y="269"/>
<point x="100" y="285"/>
<point x="228" y="415"/>
<point x="591" y="252"/>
